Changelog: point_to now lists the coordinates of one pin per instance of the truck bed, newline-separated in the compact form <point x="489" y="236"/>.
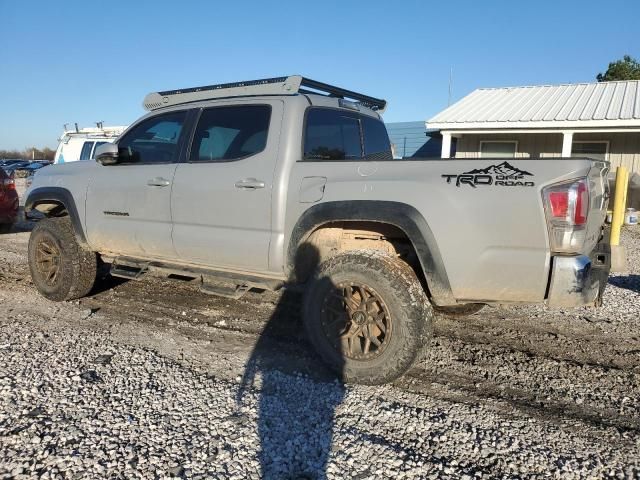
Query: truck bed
<point x="487" y="215"/>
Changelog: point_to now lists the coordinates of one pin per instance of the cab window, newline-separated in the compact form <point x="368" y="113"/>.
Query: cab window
<point x="376" y="140"/>
<point x="154" y="140"/>
<point x="230" y="133"/>
<point x="332" y="134"/>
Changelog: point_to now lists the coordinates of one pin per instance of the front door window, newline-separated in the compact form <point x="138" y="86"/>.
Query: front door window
<point x="154" y="140"/>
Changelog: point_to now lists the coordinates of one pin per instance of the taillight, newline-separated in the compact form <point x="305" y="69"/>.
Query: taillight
<point x="581" y="204"/>
<point x="559" y="202"/>
<point x="8" y="184"/>
<point x="567" y="208"/>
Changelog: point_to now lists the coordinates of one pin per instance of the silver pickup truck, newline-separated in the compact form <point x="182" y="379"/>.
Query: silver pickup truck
<point x="289" y="181"/>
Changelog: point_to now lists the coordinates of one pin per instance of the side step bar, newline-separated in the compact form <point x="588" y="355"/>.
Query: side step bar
<point x="129" y="270"/>
<point x="133" y="269"/>
<point x="234" y="293"/>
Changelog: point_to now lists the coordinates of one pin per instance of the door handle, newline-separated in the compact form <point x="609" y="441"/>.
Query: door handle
<point x="249" y="184"/>
<point x="158" y="182"/>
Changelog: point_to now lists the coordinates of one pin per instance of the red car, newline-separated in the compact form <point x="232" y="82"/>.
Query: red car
<point x="8" y="202"/>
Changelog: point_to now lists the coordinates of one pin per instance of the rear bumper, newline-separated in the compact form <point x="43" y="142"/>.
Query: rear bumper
<point x="579" y="280"/>
<point x="8" y="207"/>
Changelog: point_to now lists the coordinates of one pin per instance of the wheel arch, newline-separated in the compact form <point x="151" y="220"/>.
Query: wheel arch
<point x="56" y="202"/>
<point x="398" y="215"/>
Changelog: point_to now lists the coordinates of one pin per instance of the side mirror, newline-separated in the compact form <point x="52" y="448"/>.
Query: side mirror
<point x="107" y="154"/>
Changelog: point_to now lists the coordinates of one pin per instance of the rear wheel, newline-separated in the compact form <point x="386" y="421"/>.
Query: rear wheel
<point x="367" y="316"/>
<point x="5" y="227"/>
<point x="60" y="268"/>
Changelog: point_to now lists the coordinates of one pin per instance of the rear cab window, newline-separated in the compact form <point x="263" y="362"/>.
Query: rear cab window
<point x="376" y="139"/>
<point x="334" y="134"/>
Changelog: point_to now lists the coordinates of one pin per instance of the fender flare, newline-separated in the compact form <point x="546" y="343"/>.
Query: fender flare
<point x="61" y="195"/>
<point x="401" y="215"/>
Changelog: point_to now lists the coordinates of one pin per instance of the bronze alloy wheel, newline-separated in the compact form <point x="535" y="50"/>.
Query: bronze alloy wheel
<point x="367" y="316"/>
<point x="60" y="268"/>
<point x="48" y="261"/>
<point x="356" y="321"/>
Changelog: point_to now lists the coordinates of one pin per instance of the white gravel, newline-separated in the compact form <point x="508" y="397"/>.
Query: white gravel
<point x="78" y="399"/>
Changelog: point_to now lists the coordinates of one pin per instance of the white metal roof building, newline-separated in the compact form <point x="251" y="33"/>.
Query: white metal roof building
<point x="596" y="119"/>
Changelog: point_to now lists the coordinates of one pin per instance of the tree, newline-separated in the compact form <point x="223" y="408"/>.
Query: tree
<point x="626" y="69"/>
<point x="28" y="153"/>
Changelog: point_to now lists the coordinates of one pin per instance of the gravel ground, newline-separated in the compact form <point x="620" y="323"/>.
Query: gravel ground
<point x="153" y="380"/>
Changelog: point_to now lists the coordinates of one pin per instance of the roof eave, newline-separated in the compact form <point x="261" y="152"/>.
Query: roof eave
<point x="558" y="125"/>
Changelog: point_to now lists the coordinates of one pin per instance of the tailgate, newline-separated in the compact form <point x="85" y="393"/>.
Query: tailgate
<point x="598" y="203"/>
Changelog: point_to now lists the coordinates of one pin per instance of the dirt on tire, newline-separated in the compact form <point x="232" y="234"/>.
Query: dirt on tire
<point x="407" y="308"/>
<point x="60" y="268"/>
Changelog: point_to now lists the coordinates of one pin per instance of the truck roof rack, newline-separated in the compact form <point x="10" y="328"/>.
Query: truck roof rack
<point x="290" y="85"/>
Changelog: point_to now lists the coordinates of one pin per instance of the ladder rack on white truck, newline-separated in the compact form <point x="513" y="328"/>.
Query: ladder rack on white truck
<point x="81" y="143"/>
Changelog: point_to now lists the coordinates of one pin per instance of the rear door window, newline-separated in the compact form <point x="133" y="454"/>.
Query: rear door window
<point x="85" y="153"/>
<point x="332" y="135"/>
<point x="376" y="140"/>
<point x="229" y="133"/>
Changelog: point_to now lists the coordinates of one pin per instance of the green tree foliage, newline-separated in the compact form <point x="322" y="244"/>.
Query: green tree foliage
<point x="626" y="69"/>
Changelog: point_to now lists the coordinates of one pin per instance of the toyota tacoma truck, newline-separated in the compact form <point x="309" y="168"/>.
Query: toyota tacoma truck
<point x="291" y="182"/>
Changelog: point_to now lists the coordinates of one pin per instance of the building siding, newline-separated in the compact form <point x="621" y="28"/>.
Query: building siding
<point x="408" y="137"/>
<point x="624" y="148"/>
<point x="529" y="145"/>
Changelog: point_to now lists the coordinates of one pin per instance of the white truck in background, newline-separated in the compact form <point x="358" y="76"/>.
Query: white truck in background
<point x="81" y="143"/>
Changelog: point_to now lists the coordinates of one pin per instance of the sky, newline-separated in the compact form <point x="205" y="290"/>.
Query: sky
<point x="77" y="61"/>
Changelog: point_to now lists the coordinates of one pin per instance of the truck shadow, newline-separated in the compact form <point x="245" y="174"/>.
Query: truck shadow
<point x="22" y="224"/>
<point x="295" y="413"/>
<point x="104" y="280"/>
<point x="628" y="282"/>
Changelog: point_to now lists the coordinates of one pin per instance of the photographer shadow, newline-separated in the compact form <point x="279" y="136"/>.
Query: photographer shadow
<point x="295" y="413"/>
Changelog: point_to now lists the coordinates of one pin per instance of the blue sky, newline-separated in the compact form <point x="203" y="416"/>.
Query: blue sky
<point x="67" y="61"/>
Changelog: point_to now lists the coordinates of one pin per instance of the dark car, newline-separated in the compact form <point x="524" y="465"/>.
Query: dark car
<point x="8" y="202"/>
<point x="7" y="162"/>
<point x="29" y="169"/>
<point x="12" y="166"/>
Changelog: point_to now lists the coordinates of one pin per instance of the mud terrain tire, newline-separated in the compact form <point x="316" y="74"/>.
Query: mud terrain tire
<point x="60" y="268"/>
<point x="393" y="309"/>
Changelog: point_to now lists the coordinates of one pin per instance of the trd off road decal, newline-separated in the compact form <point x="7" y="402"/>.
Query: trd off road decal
<point x="505" y="175"/>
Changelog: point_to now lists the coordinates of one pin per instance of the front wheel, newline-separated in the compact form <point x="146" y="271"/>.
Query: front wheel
<point x="60" y="268"/>
<point x="367" y="316"/>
